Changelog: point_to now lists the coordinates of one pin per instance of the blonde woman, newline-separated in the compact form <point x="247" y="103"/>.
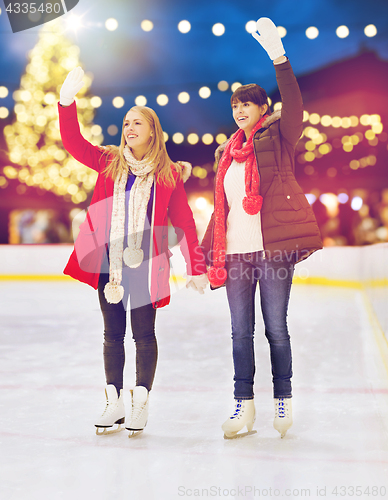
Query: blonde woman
<point x="122" y="248"/>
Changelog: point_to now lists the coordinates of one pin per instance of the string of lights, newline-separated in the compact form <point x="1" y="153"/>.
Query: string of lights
<point x="34" y="140"/>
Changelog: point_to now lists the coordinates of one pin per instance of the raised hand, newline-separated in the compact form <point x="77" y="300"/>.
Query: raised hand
<point x="71" y="86"/>
<point x="269" y="38"/>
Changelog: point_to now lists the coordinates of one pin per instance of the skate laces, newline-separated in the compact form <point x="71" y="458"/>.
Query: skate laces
<point x="281" y="408"/>
<point x="110" y="407"/>
<point x="137" y="409"/>
<point x="237" y="409"/>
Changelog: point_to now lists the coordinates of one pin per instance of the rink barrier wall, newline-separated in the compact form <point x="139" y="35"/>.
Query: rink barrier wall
<point x="364" y="268"/>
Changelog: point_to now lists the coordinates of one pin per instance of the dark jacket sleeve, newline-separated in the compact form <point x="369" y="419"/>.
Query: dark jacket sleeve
<point x="73" y="141"/>
<point x="206" y="243"/>
<point x="291" y="121"/>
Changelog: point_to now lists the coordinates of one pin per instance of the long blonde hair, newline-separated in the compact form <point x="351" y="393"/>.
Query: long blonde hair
<point x="156" y="152"/>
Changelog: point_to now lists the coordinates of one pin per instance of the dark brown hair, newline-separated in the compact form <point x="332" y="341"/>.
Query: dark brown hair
<point x="251" y="93"/>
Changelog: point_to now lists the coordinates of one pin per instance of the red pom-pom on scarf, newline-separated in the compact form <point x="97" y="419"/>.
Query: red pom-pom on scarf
<point x="217" y="276"/>
<point x="252" y="204"/>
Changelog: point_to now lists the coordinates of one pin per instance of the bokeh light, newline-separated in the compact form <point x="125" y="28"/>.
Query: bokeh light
<point x="96" y="101"/>
<point x="356" y="203"/>
<point x="141" y="100"/>
<point x="4" y="113"/>
<point x="111" y="24"/>
<point x="162" y="99"/>
<point x="184" y="26"/>
<point x="218" y="29"/>
<point x="342" y="31"/>
<point x="370" y="30"/>
<point x="178" y="138"/>
<point x="3" y="91"/>
<point x="183" y="97"/>
<point x="207" y="139"/>
<point x="235" y="86"/>
<point x="251" y="26"/>
<point x="204" y="92"/>
<point x="223" y="85"/>
<point x="147" y="25"/>
<point x="193" y="138"/>
<point x="118" y="102"/>
<point x="312" y="32"/>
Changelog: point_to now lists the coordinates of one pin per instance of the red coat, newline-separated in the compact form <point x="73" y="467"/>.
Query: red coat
<point x="90" y="246"/>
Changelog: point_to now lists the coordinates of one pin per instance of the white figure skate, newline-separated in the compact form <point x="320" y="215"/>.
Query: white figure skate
<point x="283" y="415"/>
<point x="244" y="415"/>
<point x="139" y="413"/>
<point x="114" y="413"/>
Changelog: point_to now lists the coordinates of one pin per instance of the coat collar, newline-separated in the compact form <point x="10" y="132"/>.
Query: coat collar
<point x="275" y="116"/>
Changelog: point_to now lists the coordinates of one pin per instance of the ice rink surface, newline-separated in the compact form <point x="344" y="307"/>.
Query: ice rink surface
<point x="52" y="389"/>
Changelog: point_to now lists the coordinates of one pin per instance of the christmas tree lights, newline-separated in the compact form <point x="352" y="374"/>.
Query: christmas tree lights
<point x="33" y="140"/>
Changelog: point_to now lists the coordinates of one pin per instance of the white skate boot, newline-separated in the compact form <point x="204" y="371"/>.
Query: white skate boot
<point x="283" y="415"/>
<point x="114" y="413"/>
<point x="139" y="414"/>
<point x="244" y="415"/>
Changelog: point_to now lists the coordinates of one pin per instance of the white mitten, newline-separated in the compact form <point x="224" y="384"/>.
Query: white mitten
<point x="71" y="86"/>
<point x="198" y="283"/>
<point x="269" y="38"/>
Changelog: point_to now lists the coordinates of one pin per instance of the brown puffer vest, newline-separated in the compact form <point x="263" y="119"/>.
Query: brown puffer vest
<point x="289" y="228"/>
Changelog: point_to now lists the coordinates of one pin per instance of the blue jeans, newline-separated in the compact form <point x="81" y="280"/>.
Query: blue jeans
<point x="275" y="279"/>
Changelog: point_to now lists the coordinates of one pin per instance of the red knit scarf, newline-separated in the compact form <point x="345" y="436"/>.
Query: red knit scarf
<point x="251" y="203"/>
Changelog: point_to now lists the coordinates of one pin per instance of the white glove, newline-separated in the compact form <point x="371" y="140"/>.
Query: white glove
<point x="71" y="86"/>
<point x="269" y="38"/>
<point x="198" y="283"/>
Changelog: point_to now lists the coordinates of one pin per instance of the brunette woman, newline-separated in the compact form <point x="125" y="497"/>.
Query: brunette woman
<point x="261" y="226"/>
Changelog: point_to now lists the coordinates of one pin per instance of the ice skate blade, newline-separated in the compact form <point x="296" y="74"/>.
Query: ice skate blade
<point x="133" y="433"/>
<point x="104" y="431"/>
<point x="242" y="434"/>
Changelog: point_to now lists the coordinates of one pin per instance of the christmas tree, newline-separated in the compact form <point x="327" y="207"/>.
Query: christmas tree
<point x="33" y="139"/>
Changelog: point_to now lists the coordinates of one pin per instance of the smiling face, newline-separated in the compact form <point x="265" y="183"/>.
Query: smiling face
<point x="137" y="133"/>
<point x="247" y="114"/>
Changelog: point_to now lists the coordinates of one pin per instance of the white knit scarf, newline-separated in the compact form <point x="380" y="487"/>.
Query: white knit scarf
<point x="137" y="210"/>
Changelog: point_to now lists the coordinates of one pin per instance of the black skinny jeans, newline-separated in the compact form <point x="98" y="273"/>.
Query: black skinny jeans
<point x="143" y="329"/>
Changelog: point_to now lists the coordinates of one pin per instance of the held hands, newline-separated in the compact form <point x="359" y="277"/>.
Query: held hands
<point x="198" y="283"/>
<point x="269" y="38"/>
<point x="71" y="86"/>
